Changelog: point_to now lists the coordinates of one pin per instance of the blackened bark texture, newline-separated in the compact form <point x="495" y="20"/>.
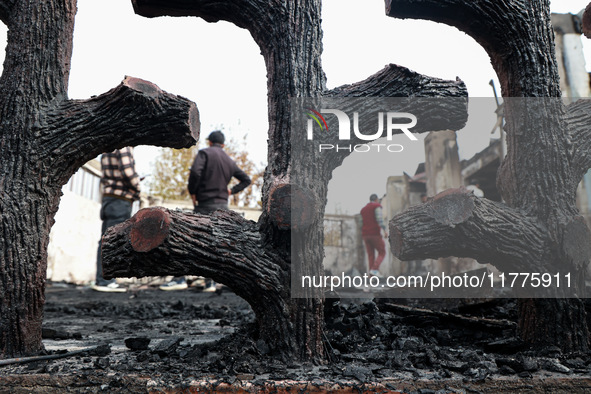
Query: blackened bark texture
<point x="45" y="138"/>
<point x="291" y="226"/>
<point x="289" y="36"/>
<point x="5" y="9"/>
<point x="223" y="246"/>
<point x="587" y="21"/>
<point x="398" y="81"/>
<point x="539" y="229"/>
<point x="414" y="92"/>
<point x="488" y="231"/>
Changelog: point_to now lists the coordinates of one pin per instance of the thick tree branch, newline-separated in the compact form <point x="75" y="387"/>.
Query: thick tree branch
<point x="222" y="246"/>
<point x="438" y="104"/>
<point x="135" y="112"/>
<point x="442" y="104"/>
<point x="463" y="15"/>
<point x="398" y="81"/>
<point x="579" y="121"/>
<point x="240" y="12"/>
<point x="505" y="29"/>
<point x="457" y="223"/>
<point x="518" y="37"/>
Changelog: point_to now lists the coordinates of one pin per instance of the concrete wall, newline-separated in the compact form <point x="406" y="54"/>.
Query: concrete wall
<point x="397" y="196"/>
<point x="342" y="245"/>
<point x="442" y="162"/>
<point x="574" y="78"/>
<point x="73" y="240"/>
<point x="583" y="197"/>
<point x="397" y="199"/>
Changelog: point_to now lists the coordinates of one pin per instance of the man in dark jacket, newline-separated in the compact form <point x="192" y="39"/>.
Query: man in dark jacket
<point x="210" y="175"/>
<point x="371" y="232"/>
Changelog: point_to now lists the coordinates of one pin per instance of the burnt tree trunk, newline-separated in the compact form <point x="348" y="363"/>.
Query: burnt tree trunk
<point x="538" y="229"/>
<point x="255" y="259"/>
<point x="45" y="138"/>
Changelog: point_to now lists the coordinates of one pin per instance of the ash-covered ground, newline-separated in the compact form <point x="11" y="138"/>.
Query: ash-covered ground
<point x="151" y="338"/>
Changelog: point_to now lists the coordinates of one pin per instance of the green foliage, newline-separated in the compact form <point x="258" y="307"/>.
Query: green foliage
<point x="171" y="172"/>
<point x="251" y="196"/>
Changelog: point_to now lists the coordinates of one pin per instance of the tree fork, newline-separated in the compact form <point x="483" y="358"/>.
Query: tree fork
<point x="167" y="120"/>
<point x="45" y="137"/>
<point x="289" y="37"/>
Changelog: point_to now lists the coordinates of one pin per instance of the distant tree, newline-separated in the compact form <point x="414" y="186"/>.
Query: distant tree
<point x="171" y="173"/>
<point x="251" y="196"/>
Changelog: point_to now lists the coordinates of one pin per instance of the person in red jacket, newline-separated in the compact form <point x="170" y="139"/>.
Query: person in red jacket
<point x="371" y="232"/>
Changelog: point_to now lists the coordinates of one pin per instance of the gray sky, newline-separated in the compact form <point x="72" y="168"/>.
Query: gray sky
<point x="220" y="67"/>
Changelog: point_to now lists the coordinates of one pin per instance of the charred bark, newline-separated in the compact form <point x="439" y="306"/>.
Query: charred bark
<point x="166" y="120"/>
<point x="222" y="246"/>
<point x="457" y="223"/>
<point x="45" y="138"/>
<point x="539" y="229"/>
<point x="538" y="178"/>
<point x="587" y="21"/>
<point x="419" y="315"/>
<point x="553" y="322"/>
<point x="5" y="9"/>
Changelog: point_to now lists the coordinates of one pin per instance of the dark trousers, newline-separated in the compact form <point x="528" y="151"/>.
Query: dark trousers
<point x="113" y="211"/>
<point x="209" y="208"/>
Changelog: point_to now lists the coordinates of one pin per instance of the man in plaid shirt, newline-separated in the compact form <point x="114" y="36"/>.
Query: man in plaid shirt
<point x="121" y="187"/>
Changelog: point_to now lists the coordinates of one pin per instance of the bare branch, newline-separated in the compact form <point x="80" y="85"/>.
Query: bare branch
<point x="504" y="29"/>
<point x="463" y="15"/>
<point x="442" y="103"/>
<point x="579" y="121"/>
<point x="235" y="11"/>
<point x="223" y="246"/>
<point x="457" y="223"/>
<point x="135" y="112"/>
<point x="397" y="81"/>
<point x="438" y="104"/>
